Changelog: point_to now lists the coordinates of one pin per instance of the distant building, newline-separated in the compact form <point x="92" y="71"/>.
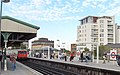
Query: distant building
<point x="26" y="44"/>
<point x="100" y="30"/>
<point x="73" y="47"/>
<point x="42" y="42"/>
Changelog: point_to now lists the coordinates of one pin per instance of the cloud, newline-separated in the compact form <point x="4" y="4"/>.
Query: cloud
<point x="38" y="2"/>
<point x="44" y="10"/>
<point x="114" y="11"/>
<point x="92" y="3"/>
<point x="112" y="8"/>
<point x="51" y="10"/>
<point x="85" y="3"/>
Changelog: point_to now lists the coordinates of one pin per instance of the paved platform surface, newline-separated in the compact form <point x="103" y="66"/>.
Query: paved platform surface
<point x="20" y="70"/>
<point x="111" y="65"/>
<point x="24" y="70"/>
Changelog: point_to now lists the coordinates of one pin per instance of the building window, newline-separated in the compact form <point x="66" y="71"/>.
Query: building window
<point x="110" y="39"/>
<point x="110" y="35"/>
<point x="80" y="31"/>
<point x="110" y="22"/>
<point x="101" y="21"/>
<point x="101" y="43"/>
<point x="95" y="26"/>
<point x="101" y="25"/>
<point x="101" y="39"/>
<point x="101" y="35"/>
<point x="83" y="31"/>
<point x="80" y="26"/>
<point x="101" y="30"/>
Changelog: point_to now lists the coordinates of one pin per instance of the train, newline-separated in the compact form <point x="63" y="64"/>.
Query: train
<point x="22" y="54"/>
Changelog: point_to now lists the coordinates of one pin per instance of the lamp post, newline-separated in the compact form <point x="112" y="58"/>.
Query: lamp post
<point x="6" y="36"/>
<point x="58" y="46"/>
<point x="48" y="52"/>
<point x="63" y="47"/>
<point x="97" y="53"/>
<point x="5" y="1"/>
<point x="43" y="49"/>
<point x="92" y="46"/>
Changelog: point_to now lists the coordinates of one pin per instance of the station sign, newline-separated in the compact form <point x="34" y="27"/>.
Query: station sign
<point x="113" y="54"/>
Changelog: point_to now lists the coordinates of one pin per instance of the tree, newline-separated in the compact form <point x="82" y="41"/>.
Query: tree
<point x="28" y="50"/>
<point x="86" y="49"/>
<point x="22" y="46"/>
<point x="103" y="49"/>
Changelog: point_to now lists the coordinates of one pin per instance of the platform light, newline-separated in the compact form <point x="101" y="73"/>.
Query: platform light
<point x="3" y="1"/>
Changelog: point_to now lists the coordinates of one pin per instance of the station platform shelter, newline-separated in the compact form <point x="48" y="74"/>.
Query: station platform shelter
<point x="15" y="32"/>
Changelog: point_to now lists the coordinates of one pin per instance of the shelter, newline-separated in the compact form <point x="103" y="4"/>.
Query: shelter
<point x="16" y="31"/>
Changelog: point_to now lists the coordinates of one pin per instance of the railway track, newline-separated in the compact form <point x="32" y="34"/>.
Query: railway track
<point x="46" y="70"/>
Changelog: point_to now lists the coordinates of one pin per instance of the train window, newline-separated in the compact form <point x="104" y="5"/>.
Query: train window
<point x="22" y="52"/>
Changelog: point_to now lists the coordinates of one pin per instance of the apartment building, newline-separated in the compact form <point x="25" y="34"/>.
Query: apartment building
<point x="117" y="34"/>
<point x="95" y="30"/>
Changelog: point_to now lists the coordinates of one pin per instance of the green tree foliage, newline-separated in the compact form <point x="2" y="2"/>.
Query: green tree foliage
<point x="67" y="52"/>
<point x="22" y="46"/>
<point x="28" y="50"/>
<point x="103" y="49"/>
<point x="86" y="49"/>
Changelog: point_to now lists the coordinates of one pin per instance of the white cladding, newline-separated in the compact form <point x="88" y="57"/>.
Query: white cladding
<point x="101" y="30"/>
<point x="117" y="34"/>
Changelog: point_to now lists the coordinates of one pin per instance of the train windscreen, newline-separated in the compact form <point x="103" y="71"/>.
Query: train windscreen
<point x="22" y="52"/>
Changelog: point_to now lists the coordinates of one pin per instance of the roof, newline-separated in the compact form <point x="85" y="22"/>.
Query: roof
<point x="87" y="17"/>
<point x="21" y="22"/>
<point x="117" y="45"/>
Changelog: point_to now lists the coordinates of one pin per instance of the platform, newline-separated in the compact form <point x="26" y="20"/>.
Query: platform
<point x="20" y="70"/>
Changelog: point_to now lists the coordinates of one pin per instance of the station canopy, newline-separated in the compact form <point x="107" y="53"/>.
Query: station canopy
<point x="19" y="31"/>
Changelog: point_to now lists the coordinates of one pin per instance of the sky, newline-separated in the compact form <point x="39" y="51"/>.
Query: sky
<point x="58" y="19"/>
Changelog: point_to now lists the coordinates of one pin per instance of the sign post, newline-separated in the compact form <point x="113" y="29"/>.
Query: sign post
<point x="113" y="54"/>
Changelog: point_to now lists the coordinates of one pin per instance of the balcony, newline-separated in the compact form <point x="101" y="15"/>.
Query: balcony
<point x="110" y="27"/>
<point x="110" y="36"/>
<point x="94" y="27"/>
<point x="110" y="32"/>
<point x="110" y="40"/>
